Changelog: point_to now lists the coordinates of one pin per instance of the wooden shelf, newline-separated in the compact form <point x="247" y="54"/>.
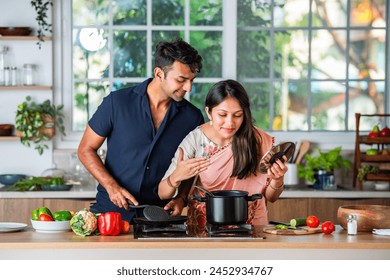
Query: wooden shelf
<point x="376" y="158"/>
<point x="25" y="87"/>
<point x="9" y="138"/>
<point x="24" y="38"/>
<point x="378" y="177"/>
<point x="361" y="157"/>
<point x="374" y="140"/>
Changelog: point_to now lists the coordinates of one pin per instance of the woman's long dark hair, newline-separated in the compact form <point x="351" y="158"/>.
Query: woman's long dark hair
<point x="245" y="144"/>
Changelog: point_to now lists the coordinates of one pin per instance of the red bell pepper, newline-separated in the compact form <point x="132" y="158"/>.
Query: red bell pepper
<point x="110" y="223"/>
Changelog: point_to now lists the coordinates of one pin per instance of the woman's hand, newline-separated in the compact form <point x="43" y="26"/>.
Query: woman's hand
<point x="276" y="185"/>
<point x="175" y="206"/>
<point x="186" y="169"/>
<point x="277" y="170"/>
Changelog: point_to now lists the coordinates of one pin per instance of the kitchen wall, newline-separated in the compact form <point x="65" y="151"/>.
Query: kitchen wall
<point x="14" y="157"/>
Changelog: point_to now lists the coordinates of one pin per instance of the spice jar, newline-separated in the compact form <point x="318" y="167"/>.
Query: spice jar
<point x="3" y="63"/>
<point x="7" y="77"/>
<point x="29" y="74"/>
<point x="13" y="76"/>
<point x="352" y="224"/>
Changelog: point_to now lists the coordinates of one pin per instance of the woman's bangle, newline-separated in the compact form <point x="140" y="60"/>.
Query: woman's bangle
<point x="170" y="183"/>
<point x="278" y="188"/>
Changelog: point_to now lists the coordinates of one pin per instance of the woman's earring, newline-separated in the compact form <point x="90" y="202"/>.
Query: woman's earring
<point x="211" y="122"/>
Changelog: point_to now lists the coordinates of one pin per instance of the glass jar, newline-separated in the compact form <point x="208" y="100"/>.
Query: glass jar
<point x="13" y="76"/>
<point x="352" y="224"/>
<point x="319" y="176"/>
<point x="7" y="77"/>
<point x="3" y="63"/>
<point x="29" y="74"/>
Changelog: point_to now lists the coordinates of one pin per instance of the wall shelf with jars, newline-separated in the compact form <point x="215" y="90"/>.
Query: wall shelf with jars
<point x="12" y="77"/>
<point x="21" y="71"/>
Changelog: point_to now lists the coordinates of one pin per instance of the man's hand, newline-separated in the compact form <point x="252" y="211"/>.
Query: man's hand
<point x="121" y="197"/>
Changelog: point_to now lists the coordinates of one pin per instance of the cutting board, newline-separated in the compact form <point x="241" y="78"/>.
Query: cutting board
<point x="309" y="230"/>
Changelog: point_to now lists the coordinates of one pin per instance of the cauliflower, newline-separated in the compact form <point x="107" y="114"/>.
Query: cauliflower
<point x="84" y="222"/>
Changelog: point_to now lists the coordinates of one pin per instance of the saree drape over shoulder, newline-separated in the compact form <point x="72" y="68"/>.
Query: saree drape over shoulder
<point x="218" y="176"/>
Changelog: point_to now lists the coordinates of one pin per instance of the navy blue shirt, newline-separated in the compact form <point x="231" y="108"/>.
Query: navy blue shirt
<point x="138" y="155"/>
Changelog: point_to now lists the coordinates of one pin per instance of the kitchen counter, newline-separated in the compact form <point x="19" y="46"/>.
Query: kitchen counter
<point x="295" y="201"/>
<point x="28" y="244"/>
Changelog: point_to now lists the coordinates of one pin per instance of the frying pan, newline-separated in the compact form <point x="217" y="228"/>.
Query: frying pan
<point x="276" y="152"/>
<point x="153" y="214"/>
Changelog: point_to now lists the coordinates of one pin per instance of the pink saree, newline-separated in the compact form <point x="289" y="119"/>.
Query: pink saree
<point x="217" y="177"/>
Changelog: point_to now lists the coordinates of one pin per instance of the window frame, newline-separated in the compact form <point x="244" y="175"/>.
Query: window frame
<point x="62" y="39"/>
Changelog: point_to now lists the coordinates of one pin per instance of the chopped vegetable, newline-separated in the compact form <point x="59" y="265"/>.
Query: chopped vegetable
<point x="35" y="183"/>
<point x="297" y="222"/>
<point x="84" y="223"/>
<point x="280" y="226"/>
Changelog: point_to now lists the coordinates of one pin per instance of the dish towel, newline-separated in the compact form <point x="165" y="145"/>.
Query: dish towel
<point x="385" y="231"/>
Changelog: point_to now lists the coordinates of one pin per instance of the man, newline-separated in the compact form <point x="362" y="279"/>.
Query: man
<point x="143" y="126"/>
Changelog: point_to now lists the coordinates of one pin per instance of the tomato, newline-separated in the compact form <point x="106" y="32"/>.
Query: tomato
<point x="125" y="226"/>
<point x="385" y="132"/>
<point x="312" y="221"/>
<point x="45" y="218"/>
<point x="373" y="134"/>
<point x="328" y="227"/>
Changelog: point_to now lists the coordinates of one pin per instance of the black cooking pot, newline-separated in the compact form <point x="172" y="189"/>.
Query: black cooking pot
<point x="227" y="207"/>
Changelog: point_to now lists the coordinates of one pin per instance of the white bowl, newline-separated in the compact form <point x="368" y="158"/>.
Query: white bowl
<point x="50" y="226"/>
<point x="382" y="186"/>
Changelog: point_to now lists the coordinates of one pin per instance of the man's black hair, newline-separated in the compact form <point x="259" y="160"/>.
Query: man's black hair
<point x="169" y="52"/>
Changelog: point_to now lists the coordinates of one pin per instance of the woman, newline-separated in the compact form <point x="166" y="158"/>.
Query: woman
<point x="224" y="154"/>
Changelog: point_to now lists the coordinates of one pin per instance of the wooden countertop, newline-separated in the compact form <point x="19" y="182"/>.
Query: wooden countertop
<point x="29" y="239"/>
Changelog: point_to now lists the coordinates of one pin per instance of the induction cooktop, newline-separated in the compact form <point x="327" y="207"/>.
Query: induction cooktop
<point x="181" y="231"/>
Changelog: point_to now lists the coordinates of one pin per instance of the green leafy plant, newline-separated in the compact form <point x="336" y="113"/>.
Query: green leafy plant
<point x="41" y="7"/>
<point x="36" y="123"/>
<point x="327" y="161"/>
<point x="367" y="169"/>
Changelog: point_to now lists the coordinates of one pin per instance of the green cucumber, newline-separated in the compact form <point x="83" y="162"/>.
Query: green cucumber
<point x="280" y="226"/>
<point x="297" y="222"/>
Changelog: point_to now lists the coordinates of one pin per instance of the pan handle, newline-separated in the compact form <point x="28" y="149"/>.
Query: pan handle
<point x="255" y="197"/>
<point x="198" y="198"/>
<point x="131" y="205"/>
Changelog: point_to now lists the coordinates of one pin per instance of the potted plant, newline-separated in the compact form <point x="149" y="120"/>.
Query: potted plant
<point x="37" y="122"/>
<point x="323" y="162"/>
<point x="41" y="7"/>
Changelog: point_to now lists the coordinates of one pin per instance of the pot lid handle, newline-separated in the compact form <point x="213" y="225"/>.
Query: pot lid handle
<point x="276" y="152"/>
